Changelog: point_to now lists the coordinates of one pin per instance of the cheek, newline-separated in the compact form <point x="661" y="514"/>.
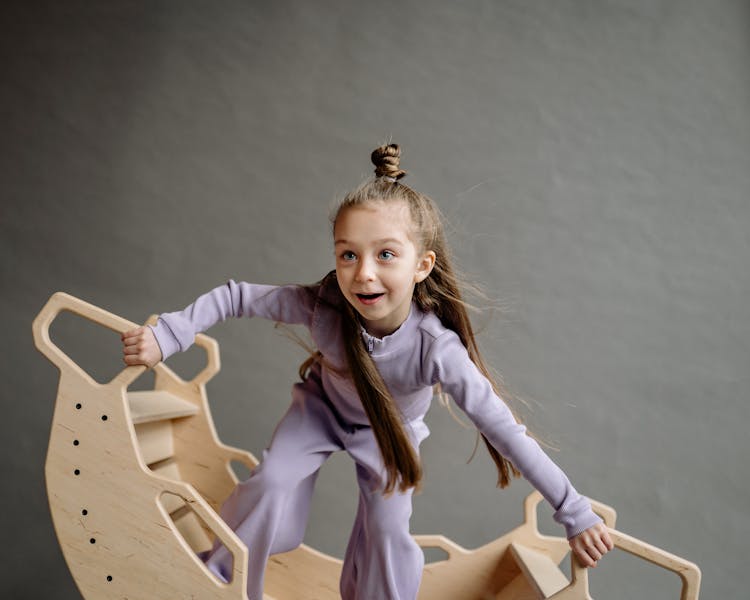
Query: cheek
<point x="344" y="289"/>
<point x="405" y="281"/>
<point x="341" y="277"/>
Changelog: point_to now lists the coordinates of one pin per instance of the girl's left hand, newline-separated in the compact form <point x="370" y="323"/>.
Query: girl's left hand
<point x="590" y="545"/>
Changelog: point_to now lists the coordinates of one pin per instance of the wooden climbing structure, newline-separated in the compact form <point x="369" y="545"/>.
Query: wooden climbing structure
<point x="135" y="480"/>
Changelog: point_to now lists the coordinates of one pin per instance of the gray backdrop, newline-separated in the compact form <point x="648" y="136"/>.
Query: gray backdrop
<point x="591" y="158"/>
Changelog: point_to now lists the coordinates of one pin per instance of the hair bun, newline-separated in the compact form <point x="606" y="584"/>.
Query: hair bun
<point x="386" y="160"/>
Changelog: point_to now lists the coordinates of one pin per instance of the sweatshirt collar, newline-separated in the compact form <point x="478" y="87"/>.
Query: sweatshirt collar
<point x="389" y="343"/>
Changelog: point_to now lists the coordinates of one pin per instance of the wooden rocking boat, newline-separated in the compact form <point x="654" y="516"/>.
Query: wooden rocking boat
<point x="135" y="480"/>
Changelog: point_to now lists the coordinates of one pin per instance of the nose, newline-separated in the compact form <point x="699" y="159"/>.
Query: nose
<point x="365" y="271"/>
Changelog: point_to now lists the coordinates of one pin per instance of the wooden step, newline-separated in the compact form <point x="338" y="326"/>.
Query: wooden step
<point x="150" y="406"/>
<point x="155" y="440"/>
<point x="540" y="570"/>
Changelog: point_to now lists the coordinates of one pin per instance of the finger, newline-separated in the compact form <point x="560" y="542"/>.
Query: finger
<point x="587" y="549"/>
<point x="132" y="332"/>
<point x="131" y="349"/>
<point x="130" y="340"/>
<point x="593" y="552"/>
<point x="601" y="547"/>
<point x="134" y="360"/>
<point x="608" y="541"/>
<point x="584" y="558"/>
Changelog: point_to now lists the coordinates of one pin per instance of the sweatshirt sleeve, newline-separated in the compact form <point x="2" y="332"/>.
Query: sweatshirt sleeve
<point x="292" y="304"/>
<point x="448" y="363"/>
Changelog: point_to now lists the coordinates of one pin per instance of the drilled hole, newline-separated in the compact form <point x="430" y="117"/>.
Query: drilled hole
<point x="78" y="406"/>
<point x="104" y="417"/>
<point x="93" y="540"/>
<point x="76" y="442"/>
<point x="84" y="512"/>
<point x="109" y="577"/>
<point x="77" y="471"/>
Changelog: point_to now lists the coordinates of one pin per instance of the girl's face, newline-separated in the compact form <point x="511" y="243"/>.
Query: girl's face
<point x="377" y="263"/>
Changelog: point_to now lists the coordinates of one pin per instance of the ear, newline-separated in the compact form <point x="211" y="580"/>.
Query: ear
<point x="424" y="266"/>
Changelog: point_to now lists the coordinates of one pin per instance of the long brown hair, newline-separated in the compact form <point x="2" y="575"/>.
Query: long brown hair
<point x="439" y="293"/>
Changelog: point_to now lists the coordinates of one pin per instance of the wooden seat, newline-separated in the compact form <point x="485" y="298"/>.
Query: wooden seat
<point x="135" y="481"/>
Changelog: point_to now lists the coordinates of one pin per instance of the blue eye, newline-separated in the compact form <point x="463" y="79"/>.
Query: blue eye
<point x="386" y="255"/>
<point x="348" y="255"/>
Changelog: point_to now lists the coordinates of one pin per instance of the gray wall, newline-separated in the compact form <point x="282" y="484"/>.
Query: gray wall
<point x="592" y="159"/>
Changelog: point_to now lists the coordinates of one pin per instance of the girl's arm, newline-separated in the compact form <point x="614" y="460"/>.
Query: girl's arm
<point x="448" y="363"/>
<point x="175" y="331"/>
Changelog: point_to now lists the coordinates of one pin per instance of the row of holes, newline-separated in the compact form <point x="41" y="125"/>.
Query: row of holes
<point x="84" y="511"/>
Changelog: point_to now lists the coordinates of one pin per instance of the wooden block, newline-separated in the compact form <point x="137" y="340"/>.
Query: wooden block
<point x="541" y="571"/>
<point x="518" y="588"/>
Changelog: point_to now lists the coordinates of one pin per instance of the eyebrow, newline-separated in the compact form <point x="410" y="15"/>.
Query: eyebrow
<point x="376" y="242"/>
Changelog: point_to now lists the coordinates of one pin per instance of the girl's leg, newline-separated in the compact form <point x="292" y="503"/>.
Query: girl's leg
<point x="269" y="510"/>
<point x="382" y="559"/>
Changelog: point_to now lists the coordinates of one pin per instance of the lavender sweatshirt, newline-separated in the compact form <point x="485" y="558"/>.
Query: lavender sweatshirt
<point x="415" y="357"/>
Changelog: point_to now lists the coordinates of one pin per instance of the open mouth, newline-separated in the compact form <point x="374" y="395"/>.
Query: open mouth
<point x="369" y="298"/>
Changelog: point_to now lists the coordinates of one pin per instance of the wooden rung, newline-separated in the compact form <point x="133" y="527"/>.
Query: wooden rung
<point x="541" y="571"/>
<point x="149" y="406"/>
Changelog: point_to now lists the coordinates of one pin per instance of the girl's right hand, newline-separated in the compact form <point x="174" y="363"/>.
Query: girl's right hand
<point x="140" y="347"/>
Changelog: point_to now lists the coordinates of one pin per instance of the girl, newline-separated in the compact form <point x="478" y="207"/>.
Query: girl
<point x="389" y="324"/>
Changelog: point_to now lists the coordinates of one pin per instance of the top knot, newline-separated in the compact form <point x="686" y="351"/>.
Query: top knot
<point x="386" y="160"/>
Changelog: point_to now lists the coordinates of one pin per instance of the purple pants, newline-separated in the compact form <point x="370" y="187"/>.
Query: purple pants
<point x="269" y="511"/>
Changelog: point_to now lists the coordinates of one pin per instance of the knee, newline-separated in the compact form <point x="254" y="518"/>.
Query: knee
<point x="273" y="479"/>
